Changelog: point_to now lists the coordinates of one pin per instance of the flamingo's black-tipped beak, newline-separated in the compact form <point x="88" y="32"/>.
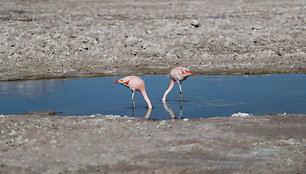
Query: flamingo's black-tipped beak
<point x="192" y="74"/>
<point x="189" y="72"/>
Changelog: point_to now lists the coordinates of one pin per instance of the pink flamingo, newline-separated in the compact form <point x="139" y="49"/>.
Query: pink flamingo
<point x="178" y="75"/>
<point x="135" y="84"/>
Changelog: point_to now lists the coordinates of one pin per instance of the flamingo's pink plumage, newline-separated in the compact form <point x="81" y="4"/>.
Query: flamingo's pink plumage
<point x="178" y="75"/>
<point x="135" y="84"/>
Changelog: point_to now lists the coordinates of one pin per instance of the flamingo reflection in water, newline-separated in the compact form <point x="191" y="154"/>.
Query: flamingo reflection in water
<point x="171" y="111"/>
<point x="147" y="114"/>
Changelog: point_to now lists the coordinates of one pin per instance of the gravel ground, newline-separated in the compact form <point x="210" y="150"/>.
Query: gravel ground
<point x="40" y="143"/>
<point x="46" y="39"/>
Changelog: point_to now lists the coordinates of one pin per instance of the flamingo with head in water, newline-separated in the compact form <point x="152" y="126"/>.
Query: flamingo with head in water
<point x="135" y="84"/>
<point x="178" y="75"/>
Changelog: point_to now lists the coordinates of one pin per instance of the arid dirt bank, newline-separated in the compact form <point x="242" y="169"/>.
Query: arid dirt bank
<point x="45" y="39"/>
<point x="39" y="143"/>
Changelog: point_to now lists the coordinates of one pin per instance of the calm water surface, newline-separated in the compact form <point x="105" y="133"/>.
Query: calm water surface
<point x="203" y="96"/>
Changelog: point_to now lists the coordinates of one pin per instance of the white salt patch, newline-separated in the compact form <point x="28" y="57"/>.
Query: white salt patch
<point x="162" y="122"/>
<point x="172" y="149"/>
<point x="83" y="121"/>
<point x="12" y="133"/>
<point x="240" y="114"/>
<point x="291" y="141"/>
<point x="112" y="116"/>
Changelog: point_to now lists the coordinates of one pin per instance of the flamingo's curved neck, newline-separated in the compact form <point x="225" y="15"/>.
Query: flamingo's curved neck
<point x="145" y="96"/>
<point x="169" y="89"/>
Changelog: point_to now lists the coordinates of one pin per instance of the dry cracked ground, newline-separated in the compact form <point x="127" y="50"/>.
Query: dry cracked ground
<point x="81" y="38"/>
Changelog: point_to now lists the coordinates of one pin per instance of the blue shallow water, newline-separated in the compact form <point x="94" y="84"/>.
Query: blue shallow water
<point x="203" y="96"/>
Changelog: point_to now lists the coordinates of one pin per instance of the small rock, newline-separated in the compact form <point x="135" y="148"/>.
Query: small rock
<point x="12" y="133"/>
<point x="282" y="137"/>
<point x="53" y="142"/>
<point x="290" y="162"/>
<point x="162" y="122"/>
<point x="2" y="116"/>
<point x="195" y="23"/>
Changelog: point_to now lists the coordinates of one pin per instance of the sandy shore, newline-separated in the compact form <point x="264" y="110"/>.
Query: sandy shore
<point x="57" y="39"/>
<point x="40" y="143"/>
